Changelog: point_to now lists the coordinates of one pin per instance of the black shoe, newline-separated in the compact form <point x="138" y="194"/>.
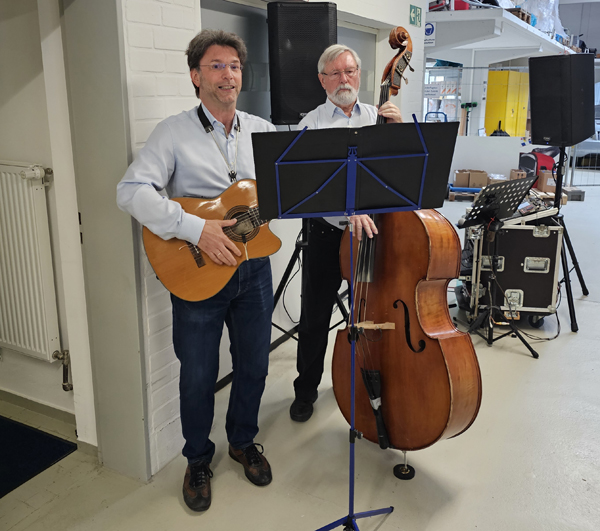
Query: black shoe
<point x="196" y="486"/>
<point x="301" y="410"/>
<point x="256" y="467"/>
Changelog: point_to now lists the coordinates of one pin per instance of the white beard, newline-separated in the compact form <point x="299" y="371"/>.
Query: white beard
<point x="343" y="97"/>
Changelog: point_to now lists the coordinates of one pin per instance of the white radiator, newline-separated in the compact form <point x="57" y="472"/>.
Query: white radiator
<point x="28" y="312"/>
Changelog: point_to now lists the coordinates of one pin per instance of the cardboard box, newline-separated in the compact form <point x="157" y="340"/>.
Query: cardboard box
<point x="494" y="178"/>
<point x="461" y="178"/>
<point x="574" y="193"/>
<point x="546" y="182"/>
<point x="548" y="198"/>
<point x="517" y="174"/>
<point x="477" y="179"/>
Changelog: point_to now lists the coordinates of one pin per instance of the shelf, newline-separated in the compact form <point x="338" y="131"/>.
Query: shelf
<point x="478" y="36"/>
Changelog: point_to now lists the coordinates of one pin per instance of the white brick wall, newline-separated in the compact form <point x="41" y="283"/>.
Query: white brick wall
<point x="156" y="34"/>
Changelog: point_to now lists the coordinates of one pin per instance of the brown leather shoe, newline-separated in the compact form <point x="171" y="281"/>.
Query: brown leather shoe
<point x="196" y="486"/>
<point x="256" y="467"/>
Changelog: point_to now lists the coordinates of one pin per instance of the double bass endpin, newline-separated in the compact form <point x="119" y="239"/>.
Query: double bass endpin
<point x="404" y="471"/>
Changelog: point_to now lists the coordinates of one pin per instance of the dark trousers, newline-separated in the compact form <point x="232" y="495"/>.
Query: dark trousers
<point x="321" y="280"/>
<point x="245" y="304"/>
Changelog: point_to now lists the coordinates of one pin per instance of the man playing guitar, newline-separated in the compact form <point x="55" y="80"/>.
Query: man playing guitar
<point x="200" y="153"/>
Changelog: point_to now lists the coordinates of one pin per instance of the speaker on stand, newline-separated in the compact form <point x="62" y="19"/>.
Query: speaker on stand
<point x="561" y="99"/>
<point x="299" y="32"/>
<point x="561" y="96"/>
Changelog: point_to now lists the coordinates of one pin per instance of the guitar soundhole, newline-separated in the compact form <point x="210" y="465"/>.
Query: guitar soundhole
<point x="246" y="227"/>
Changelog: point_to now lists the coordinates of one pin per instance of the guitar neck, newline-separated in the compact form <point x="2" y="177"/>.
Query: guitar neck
<point x="255" y="217"/>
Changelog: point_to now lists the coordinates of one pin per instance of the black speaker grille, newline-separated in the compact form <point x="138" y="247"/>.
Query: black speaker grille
<point x="561" y="99"/>
<point x="298" y="35"/>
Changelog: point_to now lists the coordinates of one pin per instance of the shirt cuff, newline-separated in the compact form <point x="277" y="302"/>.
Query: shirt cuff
<point x="191" y="228"/>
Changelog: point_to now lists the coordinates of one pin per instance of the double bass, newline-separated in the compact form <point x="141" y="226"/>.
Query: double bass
<point x="417" y="377"/>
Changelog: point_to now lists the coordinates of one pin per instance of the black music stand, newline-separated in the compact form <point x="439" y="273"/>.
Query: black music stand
<point x="496" y="203"/>
<point x="353" y="171"/>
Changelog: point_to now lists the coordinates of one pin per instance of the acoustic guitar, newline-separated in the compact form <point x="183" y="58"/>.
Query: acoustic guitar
<point x="185" y="270"/>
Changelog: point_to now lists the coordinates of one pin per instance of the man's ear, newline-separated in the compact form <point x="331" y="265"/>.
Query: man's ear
<point x="195" y="75"/>
<point x="322" y="80"/>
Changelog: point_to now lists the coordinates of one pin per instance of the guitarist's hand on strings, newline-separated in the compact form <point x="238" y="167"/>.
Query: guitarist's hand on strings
<point x="216" y="244"/>
<point x="363" y="222"/>
<point x="391" y="112"/>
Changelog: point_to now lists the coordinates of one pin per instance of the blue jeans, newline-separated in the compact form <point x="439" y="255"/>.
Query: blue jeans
<point x="245" y="304"/>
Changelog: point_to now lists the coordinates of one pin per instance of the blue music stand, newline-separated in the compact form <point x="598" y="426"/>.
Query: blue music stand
<point x="300" y="173"/>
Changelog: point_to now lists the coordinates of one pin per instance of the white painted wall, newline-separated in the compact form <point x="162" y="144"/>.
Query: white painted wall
<point x="70" y="277"/>
<point x="25" y="137"/>
<point x="493" y="154"/>
<point x="582" y="17"/>
<point x="384" y="15"/>
<point x="36" y="129"/>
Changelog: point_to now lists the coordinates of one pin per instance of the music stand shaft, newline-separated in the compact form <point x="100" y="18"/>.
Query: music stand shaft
<point x="349" y="521"/>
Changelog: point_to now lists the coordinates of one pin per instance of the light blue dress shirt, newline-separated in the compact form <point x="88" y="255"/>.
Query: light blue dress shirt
<point x="329" y="115"/>
<point x="183" y="159"/>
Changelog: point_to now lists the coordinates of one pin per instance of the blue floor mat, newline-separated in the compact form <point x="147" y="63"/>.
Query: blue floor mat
<point x="25" y="452"/>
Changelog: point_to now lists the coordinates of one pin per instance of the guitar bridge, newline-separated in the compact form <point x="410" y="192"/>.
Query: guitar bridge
<point x="198" y="258"/>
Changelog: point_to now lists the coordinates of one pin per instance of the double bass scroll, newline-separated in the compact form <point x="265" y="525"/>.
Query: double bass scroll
<point x="393" y="74"/>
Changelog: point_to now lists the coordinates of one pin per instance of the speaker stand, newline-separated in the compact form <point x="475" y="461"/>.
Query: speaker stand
<point x="567" y="245"/>
<point x="301" y="245"/>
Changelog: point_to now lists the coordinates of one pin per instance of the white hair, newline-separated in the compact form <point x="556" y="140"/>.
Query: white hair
<point x="332" y="53"/>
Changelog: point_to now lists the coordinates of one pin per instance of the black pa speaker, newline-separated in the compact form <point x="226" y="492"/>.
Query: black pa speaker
<point x="561" y="99"/>
<point x="299" y="32"/>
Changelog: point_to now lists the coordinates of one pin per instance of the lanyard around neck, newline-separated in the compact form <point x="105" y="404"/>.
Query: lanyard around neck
<point x="208" y="128"/>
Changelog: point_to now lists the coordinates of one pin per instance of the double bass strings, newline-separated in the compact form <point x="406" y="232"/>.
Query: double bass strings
<point x="361" y="289"/>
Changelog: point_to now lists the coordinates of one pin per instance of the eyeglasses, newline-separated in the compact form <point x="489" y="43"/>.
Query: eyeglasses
<point x="351" y="72"/>
<point x="234" y="67"/>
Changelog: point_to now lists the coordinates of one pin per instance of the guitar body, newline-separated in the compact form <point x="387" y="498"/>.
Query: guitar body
<point x="190" y="274"/>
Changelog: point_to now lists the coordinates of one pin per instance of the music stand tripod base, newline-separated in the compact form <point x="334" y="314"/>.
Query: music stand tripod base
<point x="497" y="202"/>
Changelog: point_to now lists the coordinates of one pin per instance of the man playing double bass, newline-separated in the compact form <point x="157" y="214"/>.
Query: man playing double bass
<point x="339" y="74"/>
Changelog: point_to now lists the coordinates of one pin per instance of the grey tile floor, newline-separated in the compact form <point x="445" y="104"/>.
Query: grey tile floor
<point x="530" y="462"/>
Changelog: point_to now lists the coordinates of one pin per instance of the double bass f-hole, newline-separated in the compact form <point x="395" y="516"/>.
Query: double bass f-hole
<point x="407" y="328"/>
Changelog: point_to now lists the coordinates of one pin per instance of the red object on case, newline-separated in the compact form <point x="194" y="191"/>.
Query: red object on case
<point x="544" y="162"/>
<point x="533" y="162"/>
<point x="459" y="5"/>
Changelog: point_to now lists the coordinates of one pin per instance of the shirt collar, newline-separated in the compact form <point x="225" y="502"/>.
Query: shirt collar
<point x="214" y="122"/>
<point x="332" y="108"/>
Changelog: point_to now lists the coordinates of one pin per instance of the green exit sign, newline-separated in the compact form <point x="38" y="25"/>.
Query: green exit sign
<point x="415" y="16"/>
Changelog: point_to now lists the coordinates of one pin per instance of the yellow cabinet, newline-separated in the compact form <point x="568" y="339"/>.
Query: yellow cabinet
<point x="507" y="102"/>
